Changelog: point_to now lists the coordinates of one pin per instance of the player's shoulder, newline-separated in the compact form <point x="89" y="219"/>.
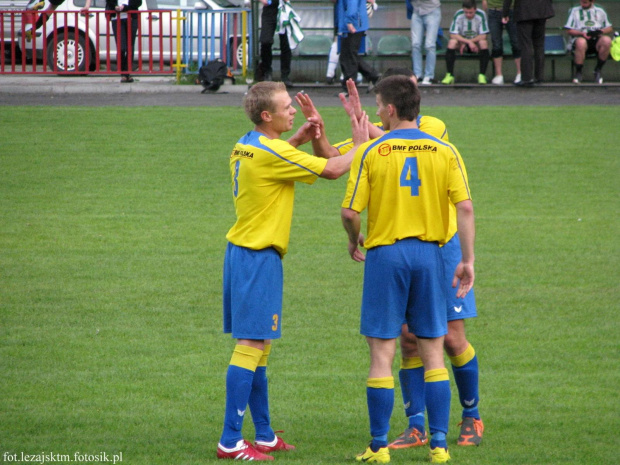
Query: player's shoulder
<point x="433" y="126"/>
<point x="258" y="142"/>
<point x="481" y="14"/>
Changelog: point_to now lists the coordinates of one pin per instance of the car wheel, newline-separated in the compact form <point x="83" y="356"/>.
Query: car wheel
<point x="235" y="55"/>
<point x="67" y="54"/>
<point x="239" y="54"/>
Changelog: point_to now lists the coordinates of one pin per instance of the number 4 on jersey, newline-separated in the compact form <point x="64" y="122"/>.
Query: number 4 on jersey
<point x="409" y="176"/>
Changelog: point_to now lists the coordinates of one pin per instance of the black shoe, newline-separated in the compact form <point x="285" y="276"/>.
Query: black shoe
<point x="598" y="77"/>
<point x="578" y="78"/>
<point x="330" y="80"/>
<point x="288" y="83"/>
<point x="525" y="84"/>
<point x="268" y="76"/>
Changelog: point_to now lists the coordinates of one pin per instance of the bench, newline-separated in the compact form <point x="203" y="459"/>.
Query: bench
<point x="555" y="47"/>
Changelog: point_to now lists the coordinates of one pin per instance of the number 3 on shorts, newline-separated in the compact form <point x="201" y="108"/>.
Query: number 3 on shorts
<point x="275" y="322"/>
<point x="409" y="176"/>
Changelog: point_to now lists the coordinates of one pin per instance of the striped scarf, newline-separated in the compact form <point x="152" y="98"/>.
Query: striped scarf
<point x="288" y="23"/>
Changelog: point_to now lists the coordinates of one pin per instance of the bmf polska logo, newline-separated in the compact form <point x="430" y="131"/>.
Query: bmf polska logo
<point x="384" y="150"/>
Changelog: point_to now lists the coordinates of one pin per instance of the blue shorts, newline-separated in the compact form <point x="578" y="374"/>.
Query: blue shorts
<point x="458" y="309"/>
<point x="252" y="293"/>
<point x="403" y="283"/>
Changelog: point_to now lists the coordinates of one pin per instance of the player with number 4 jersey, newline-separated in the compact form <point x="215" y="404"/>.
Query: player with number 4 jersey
<point x="406" y="180"/>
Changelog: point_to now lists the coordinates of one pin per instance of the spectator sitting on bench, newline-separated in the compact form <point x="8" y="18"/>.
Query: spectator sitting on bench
<point x="587" y="25"/>
<point x="468" y="31"/>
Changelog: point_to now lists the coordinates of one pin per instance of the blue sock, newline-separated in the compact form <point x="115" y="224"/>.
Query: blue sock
<point x="412" y="387"/>
<point x="239" y="379"/>
<point x="438" y="405"/>
<point x="259" y="406"/>
<point x="238" y="388"/>
<point x="380" y="399"/>
<point x="465" y="369"/>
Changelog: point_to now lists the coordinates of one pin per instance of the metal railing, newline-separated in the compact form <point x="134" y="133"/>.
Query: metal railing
<point x="166" y="42"/>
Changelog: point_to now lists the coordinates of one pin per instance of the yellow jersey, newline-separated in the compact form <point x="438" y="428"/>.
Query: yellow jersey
<point x="263" y="173"/>
<point x="408" y="180"/>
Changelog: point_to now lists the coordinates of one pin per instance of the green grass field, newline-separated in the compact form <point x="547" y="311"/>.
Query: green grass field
<point x="112" y="236"/>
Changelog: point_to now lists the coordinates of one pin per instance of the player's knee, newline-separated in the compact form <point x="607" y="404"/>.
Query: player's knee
<point x="455" y="343"/>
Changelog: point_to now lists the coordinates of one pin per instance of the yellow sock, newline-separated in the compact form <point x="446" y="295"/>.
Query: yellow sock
<point x="464" y="358"/>
<point x="246" y="357"/>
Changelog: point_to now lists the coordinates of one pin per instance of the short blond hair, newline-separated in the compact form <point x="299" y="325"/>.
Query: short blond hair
<point x="260" y="98"/>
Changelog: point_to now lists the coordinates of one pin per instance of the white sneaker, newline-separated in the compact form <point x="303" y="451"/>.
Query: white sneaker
<point x="426" y="81"/>
<point x="518" y="78"/>
<point x="498" y="80"/>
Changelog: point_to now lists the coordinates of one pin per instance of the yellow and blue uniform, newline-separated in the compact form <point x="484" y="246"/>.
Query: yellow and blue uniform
<point x="401" y="169"/>
<point x="457" y="308"/>
<point x="408" y="180"/>
<point x="263" y="175"/>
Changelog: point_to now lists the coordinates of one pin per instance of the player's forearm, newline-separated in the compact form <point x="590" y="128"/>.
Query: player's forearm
<point x="322" y="148"/>
<point x="466" y="229"/>
<point x="337" y="166"/>
<point x="352" y="224"/>
<point x="374" y="131"/>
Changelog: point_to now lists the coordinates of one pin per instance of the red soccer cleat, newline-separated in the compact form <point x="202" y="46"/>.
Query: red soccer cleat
<point x="276" y="445"/>
<point x="242" y="451"/>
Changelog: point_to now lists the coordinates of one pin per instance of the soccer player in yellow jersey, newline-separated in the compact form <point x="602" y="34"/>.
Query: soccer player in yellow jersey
<point x="407" y="181"/>
<point x="463" y="357"/>
<point x="264" y="170"/>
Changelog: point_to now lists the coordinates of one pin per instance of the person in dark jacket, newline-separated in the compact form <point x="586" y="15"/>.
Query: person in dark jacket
<point x="124" y="32"/>
<point x="531" y="17"/>
<point x="352" y="21"/>
<point x="269" y="27"/>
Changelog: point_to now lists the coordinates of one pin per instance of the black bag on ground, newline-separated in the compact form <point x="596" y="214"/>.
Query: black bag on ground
<point x="212" y="75"/>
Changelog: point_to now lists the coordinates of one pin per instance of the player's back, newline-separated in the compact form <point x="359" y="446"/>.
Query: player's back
<point x="409" y="177"/>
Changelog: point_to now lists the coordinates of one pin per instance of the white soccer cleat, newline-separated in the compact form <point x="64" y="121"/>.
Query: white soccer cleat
<point x="498" y="80"/>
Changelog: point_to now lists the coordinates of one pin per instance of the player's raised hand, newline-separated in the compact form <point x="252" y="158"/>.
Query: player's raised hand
<point x="359" y="129"/>
<point x="463" y="278"/>
<point x="353" y="104"/>
<point x="307" y="106"/>
<point x="305" y="133"/>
